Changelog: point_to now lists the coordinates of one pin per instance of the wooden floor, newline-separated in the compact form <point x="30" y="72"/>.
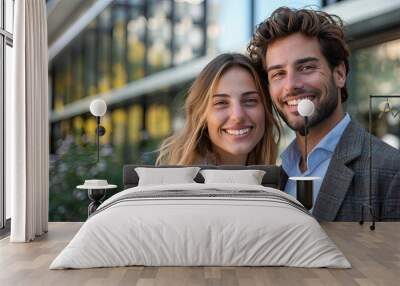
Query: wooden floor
<point x="374" y="255"/>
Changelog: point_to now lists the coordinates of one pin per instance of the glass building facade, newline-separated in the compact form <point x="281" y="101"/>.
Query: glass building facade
<point x="128" y="41"/>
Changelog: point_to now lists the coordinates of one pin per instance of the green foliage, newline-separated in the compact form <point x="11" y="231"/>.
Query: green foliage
<point x="71" y="166"/>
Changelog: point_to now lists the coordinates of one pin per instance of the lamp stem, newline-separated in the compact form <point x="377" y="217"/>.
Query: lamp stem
<point x="305" y="141"/>
<point x="98" y="138"/>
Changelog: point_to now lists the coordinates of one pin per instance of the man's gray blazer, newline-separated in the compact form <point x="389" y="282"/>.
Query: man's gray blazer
<point x="345" y="186"/>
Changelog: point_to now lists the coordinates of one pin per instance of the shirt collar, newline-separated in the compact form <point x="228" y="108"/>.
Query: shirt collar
<point x="331" y="139"/>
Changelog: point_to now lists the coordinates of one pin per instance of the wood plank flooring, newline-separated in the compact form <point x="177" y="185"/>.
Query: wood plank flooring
<point x="374" y="255"/>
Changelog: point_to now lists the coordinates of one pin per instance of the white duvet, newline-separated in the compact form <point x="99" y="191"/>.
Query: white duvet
<point x="183" y="231"/>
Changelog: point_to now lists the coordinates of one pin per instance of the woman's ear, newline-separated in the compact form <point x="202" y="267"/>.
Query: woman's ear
<point x="339" y="75"/>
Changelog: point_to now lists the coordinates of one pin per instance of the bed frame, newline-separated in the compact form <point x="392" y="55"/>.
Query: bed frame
<point x="274" y="176"/>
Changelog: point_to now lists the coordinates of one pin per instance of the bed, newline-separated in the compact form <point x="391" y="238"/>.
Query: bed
<point x="202" y="222"/>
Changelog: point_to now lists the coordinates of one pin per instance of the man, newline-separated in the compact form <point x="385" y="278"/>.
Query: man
<point x="304" y="55"/>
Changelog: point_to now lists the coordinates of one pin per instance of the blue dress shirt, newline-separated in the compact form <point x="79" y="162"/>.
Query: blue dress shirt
<point x="318" y="159"/>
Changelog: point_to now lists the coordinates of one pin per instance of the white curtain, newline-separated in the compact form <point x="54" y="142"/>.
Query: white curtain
<point x="27" y="124"/>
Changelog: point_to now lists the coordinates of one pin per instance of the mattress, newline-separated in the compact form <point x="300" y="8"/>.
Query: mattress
<point x="201" y="225"/>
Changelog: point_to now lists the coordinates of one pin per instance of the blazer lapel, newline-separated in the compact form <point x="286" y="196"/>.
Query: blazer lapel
<point x="339" y="176"/>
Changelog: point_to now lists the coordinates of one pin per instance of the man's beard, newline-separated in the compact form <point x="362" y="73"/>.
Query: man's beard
<point x="321" y="113"/>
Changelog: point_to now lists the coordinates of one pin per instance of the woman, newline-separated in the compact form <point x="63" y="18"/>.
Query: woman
<point x="229" y="118"/>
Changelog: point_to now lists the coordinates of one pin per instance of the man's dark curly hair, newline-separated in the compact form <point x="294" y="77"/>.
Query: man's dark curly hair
<point x="286" y="21"/>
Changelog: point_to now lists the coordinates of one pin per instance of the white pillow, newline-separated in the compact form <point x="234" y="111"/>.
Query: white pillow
<point x="248" y="177"/>
<point x="165" y="176"/>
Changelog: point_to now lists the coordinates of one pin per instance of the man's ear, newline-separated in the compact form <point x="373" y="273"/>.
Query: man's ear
<point x="339" y="75"/>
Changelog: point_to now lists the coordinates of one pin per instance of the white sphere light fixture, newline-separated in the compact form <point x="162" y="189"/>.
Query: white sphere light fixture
<point x="305" y="107"/>
<point x="98" y="107"/>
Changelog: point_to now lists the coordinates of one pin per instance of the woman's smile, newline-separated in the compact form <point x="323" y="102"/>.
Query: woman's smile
<point x="238" y="132"/>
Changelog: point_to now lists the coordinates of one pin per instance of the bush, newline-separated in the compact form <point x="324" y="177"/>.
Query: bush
<point x="71" y="166"/>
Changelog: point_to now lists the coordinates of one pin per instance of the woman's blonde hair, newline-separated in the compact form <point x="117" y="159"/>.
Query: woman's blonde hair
<point x="191" y="145"/>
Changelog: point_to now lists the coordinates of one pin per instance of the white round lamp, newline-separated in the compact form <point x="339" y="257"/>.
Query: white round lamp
<point x="305" y="107"/>
<point x="98" y="107"/>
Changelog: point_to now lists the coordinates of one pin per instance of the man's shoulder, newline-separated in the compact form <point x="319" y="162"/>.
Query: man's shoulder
<point x="383" y="155"/>
<point x="356" y="138"/>
<point x="377" y="144"/>
<point x="380" y="146"/>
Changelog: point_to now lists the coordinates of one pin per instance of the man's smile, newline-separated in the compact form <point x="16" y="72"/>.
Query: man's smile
<point x="290" y="103"/>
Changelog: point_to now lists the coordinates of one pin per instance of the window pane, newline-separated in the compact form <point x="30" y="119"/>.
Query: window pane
<point x="68" y="76"/>
<point x="8" y="72"/>
<point x="59" y="87"/>
<point x="188" y="31"/>
<point x="90" y="59"/>
<point x="90" y="129"/>
<point x="66" y="128"/>
<point x="2" y="110"/>
<point x="1" y="14"/>
<point x="77" y="71"/>
<point x="77" y="127"/>
<point x="376" y="70"/>
<point x="380" y="72"/>
<point x="158" y="121"/>
<point x="229" y="18"/>
<point x="159" y="27"/>
<point x="136" y="44"/>
<point x="380" y="69"/>
<point x="119" y="73"/>
<point x="104" y="51"/>
<point x="119" y="138"/>
<point x="135" y="123"/>
<point x="9" y="13"/>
